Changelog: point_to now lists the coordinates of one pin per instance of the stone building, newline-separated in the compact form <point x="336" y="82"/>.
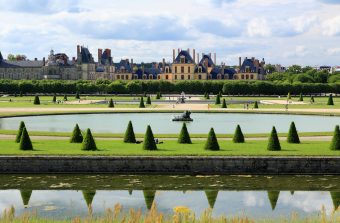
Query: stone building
<point x="251" y="69"/>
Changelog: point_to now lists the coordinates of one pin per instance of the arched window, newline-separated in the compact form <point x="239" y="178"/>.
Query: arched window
<point x="167" y="77"/>
<point x="219" y="76"/>
<point x="159" y="77"/>
<point x="144" y="76"/>
<point x="150" y="77"/>
<point x="199" y="77"/>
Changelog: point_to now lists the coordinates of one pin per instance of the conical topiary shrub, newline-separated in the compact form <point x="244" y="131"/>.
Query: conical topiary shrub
<point x="36" y="100"/>
<point x="141" y="103"/>
<point x="26" y="196"/>
<point x="149" y="140"/>
<point x="65" y="97"/>
<point x="144" y="94"/>
<point x="208" y="96"/>
<point x="129" y="136"/>
<point x="273" y="142"/>
<point x="211" y="197"/>
<point x="330" y="100"/>
<point x="88" y="142"/>
<point x="238" y="135"/>
<point x="111" y="105"/>
<point x="224" y="104"/>
<point x="212" y="143"/>
<point x="335" y="199"/>
<point x="312" y="99"/>
<point x="21" y="127"/>
<point x="25" y="141"/>
<point x="77" y="136"/>
<point x="148" y="100"/>
<point x="256" y="105"/>
<point x="54" y="99"/>
<point x="293" y="136"/>
<point x="184" y="137"/>
<point x="158" y="96"/>
<point x="77" y="95"/>
<point x="335" y="145"/>
<point x="20" y="94"/>
<point x="217" y="100"/>
<point x="301" y="97"/>
<point x="273" y="197"/>
<point x="88" y="196"/>
<point x="149" y="197"/>
<point x="289" y="96"/>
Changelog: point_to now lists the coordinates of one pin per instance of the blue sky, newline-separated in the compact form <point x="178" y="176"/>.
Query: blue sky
<point x="305" y="32"/>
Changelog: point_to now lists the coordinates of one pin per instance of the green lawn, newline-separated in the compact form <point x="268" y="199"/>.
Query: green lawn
<point x="171" y="147"/>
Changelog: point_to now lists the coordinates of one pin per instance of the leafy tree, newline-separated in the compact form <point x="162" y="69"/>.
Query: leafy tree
<point x="270" y="68"/>
<point x="36" y="100"/>
<point x="256" y="106"/>
<point x="218" y="100"/>
<point x="158" y="96"/>
<point x="293" y="136"/>
<point x="238" y="135"/>
<point x="25" y="141"/>
<point x="330" y="100"/>
<point x="301" y="97"/>
<point x="224" y="104"/>
<point x="312" y="99"/>
<point x="65" y="97"/>
<point x="211" y="196"/>
<point x="303" y="78"/>
<point x="88" y="142"/>
<point x="141" y="103"/>
<point x="307" y="68"/>
<point x="273" y="142"/>
<point x="77" y="95"/>
<point x="148" y="100"/>
<point x="129" y="136"/>
<point x="273" y="197"/>
<point x="111" y="104"/>
<point x="335" y="145"/>
<point x="77" y="136"/>
<point x="184" y="137"/>
<point x="211" y="143"/>
<point x="21" y="127"/>
<point x="149" y="140"/>
<point x="295" y="69"/>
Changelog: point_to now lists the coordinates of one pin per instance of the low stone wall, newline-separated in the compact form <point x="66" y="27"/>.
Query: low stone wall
<point x="170" y="165"/>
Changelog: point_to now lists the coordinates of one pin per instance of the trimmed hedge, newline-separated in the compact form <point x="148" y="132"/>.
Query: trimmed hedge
<point x="77" y="136"/>
<point x="335" y="145"/>
<point x="238" y="135"/>
<point x="129" y="136"/>
<point x="211" y="143"/>
<point x="149" y="140"/>
<point x="273" y="142"/>
<point x="141" y="103"/>
<point x="293" y="136"/>
<point x="184" y="137"/>
<point x="25" y="141"/>
<point x="111" y="105"/>
<point x="88" y="142"/>
<point x="224" y="104"/>
<point x="36" y="100"/>
<point x="21" y="127"/>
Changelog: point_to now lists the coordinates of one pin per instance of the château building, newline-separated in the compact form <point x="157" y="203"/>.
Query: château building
<point x="185" y="65"/>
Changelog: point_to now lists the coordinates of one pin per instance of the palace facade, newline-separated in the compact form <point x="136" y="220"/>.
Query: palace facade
<point x="184" y="66"/>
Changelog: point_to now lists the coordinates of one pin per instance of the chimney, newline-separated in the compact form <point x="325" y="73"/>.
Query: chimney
<point x="253" y="58"/>
<point x="178" y="50"/>
<point x="100" y="52"/>
<point x="210" y="55"/>
<point x="193" y="55"/>
<point x="163" y="64"/>
<point x="44" y="62"/>
<point x="214" y="58"/>
<point x="109" y="52"/>
<point x="173" y="55"/>
<point x="73" y="59"/>
<point x="35" y="59"/>
<point x="188" y="51"/>
<point x="131" y="62"/>
<point x="78" y="50"/>
<point x="206" y="63"/>
<point x="198" y="58"/>
<point x="239" y="62"/>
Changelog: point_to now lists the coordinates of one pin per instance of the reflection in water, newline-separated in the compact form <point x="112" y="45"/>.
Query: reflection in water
<point x="336" y="199"/>
<point x="25" y="196"/>
<point x="211" y="196"/>
<point x="149" y="197"/>
<point x="273" y="196"/>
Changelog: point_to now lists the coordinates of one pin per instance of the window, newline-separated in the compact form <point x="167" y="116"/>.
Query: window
<point x="247" y="69"/>
<point x="150" y="77"/>
<point x="118" y="77"/>
<point x="188" y="77"/>
<point x="182" y="77"/>
<point x="219" y="76"/>
<point x="122" y="77"/>
<point x="182" y="70"/>
<point x="166" y="70"/>
<point x="127" y="77"/>
<point x="200" y="70"/>
<point x="252" y="76"/>
<point x="175" y="77"/>
<point x="159" y="77"/>
<point x="199" y="77"/>
<point x="242" y="76"/>
<point x="188" y="69"/>
<point x="144" y="76"/>
<point x="247" y="76"/>
<point x="176" y="70"/>
<point x="167" y="77"/>
<point x="182" y="60"/>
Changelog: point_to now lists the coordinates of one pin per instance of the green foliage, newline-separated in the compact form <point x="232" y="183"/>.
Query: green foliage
<point x="224" y="104"/>
<point x="256" y="105"/>
<point x="335" y="199"/>
<point x="149" y="197"/>
<point x="149" y="140"/>
<point x="295" y="69"/>
<point x="21" y="127"/>
<point x="88" y="143"/>
<point x="218" y="100"/>
<point x="330" y="100"/>
<point x="148" y="100"/>
<point x="273" y="197"/>
<point x="54" y="99"/>
<point x="293" y="136"/>
<point x="141" y="103"/>
<point x="212" y="143"/>
<point x="301" y="97"/>
<point x="312" y="99"/>
<point x="65" y="97"/>
<point x="26" y="196"/>
<point x="88" y="196"/>
<point x="158" y="96"/>
<point x="184" y="137"/>
<point x="111" y="104"/>
<point x="144" y="94"/>
<point x="20" y="94"/>
<point x="36" y="100"/>
<point x="335" y="145"/>
<point x="77" y="95"/>
<point x="211" y="197"/>
<point x="25" y="141"/>
<point x="207" y="97"/>
<point x="238" y="135"/>
<point x="289" y="96"/>
<point x="129" y="136"/>
<point x="273" y="142"/>
<point x="77" y="136"/>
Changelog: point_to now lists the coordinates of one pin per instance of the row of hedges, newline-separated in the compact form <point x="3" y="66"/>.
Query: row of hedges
<point x="191" y="87"/>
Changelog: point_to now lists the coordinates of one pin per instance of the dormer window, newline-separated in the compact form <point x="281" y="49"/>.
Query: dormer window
<point x="200" y="70"/>
<point x="247" y="69"/>
<point x="182" y="59"/>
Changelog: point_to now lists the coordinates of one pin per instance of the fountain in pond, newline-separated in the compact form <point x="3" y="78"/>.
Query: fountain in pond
<point x="185" y="117"/>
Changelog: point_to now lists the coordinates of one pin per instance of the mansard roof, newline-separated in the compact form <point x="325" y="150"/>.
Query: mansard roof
<point x="248" y="63"/>
<point x="22" y="63"/>
<point x="210" y="61"/>
<point x="124" y="64"/>
<point x="106" y="59"/>
<point x="86" y="56"/>
<point x="219" y="70"/>
<point x="186" y="55"/>
<point x="1" y="58"/>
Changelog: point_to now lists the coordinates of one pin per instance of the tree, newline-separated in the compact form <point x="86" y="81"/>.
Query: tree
<point x="149" y="140"/>
<point x="301" y="97"/>
<point x="273" y="197"/>
<point x="211" y="143"/>
<point x="289" y="96"/>
<point x="238" y="135"/>
<point x="295" y="69"/>
<point x="207" y="97"/>
<point x="26" y="196"/>
<point x="335" y="145"/>
<point x="36" y="100"/>
<point x="77" y="136"/>
<point x="25" y="141"/>
<point x="211" y="196"/>
<point x="88" y="142"/>
<point x="129" y="136"/>
<point x="148" y="100"/>
<point x="335" y="199"/>
<point x="88" y="196"/>
<point x="54" y="99"/>
<point x="330" y="100"/>
<point x="158" y="96"/>
<point x="273" y="142"/>
<point x="312" y="99"/>
<point x="77" y="95"/>
<point x="21" y="127"/>
<point x="111" y="105"/>
<point x="218" y="100"/>
<point x="65" y="97"/>
<point x="184" y="137"/>
<point x="141" y="103"/>
<point x="293" y="136"/>
<point x="20" y="94"/>
<point x="270" y="68"/>
<point x="256" y="105"/>
<point x="224" y="104"/>
<point x="149" y="197"/>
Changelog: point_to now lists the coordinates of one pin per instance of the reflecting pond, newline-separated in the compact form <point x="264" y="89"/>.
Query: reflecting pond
<point x="67" y="196"/>
<point x="162" y="122"/>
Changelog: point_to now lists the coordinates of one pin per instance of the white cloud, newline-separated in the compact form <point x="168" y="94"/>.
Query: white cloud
<point x="258" y="27"/>
<point x="331" y="27"/>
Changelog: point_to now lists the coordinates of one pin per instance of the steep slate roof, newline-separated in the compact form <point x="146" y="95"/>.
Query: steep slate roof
<point x="106" y="60"/>
<point x="186" y="54"/>
<point x="86" y="56"/>
<point x="210" y="62"/>
<point x="153" y="71"/>
<point x="23" y="63"/>
<point x="1" y="58"/>
<point x="203" y="68"/>
<point x="248" y="63"/>
<point x="125" y="64"/>
<point x="227" y="71"/>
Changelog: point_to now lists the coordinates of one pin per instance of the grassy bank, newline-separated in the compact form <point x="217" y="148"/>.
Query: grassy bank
<point x="169" y="148"/>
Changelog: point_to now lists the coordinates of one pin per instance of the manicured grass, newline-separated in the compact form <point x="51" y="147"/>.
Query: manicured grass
<point x="169" y="148"/>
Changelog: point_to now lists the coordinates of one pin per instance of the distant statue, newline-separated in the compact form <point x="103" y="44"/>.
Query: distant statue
<point x="185" y="116"/>
<point x="181" y="98"/>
